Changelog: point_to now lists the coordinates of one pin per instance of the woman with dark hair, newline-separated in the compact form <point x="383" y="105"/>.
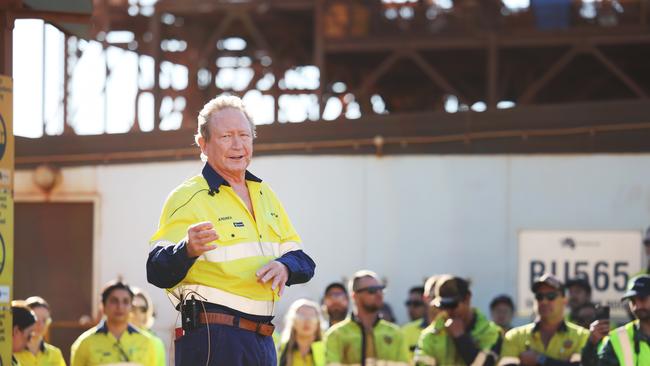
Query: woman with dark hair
<point x="301" y="338"/>
<point x="38" y="352"/>
<point x="24" y="321"/>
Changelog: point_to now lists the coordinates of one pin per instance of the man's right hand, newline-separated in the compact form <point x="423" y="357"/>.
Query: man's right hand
<point x="528" y="358"/>
<point x="198" y="235"/>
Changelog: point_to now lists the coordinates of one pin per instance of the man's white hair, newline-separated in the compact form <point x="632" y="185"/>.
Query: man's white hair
<point x="215" y="105"/>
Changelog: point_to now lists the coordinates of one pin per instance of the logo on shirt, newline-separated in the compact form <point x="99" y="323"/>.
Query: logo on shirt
<point x="238" y="224"/>
<point x="388" y="339"/>
<point x="225" y="218"/>
<point x="273" y="214"/>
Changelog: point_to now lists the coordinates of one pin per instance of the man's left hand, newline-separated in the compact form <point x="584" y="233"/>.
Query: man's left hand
<point x="275" y="271"/>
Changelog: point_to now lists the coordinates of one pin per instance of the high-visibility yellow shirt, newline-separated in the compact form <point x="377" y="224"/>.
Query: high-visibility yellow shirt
<point x="47" y="355"/>
<point x="98" y="346"/>
<point x="161" y="355"/>
<point x="412" y="332"/>
<point x="345" y="344"/>
<point x="628" y="345"/>
<point x="316" y="356"/>
<point x="437" y="348"/>
<point x="247" y="241"/>
<point x="565" y="345"/>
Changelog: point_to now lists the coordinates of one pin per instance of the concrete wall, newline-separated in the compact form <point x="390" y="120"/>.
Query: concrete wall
<point x="405" y="217"/>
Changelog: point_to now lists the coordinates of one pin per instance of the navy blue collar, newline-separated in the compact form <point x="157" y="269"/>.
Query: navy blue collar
<point x="356" y="319"/>
<point x="561" y="328"/>
<point x="102" y="327"/>
<point x="215" y="180"/>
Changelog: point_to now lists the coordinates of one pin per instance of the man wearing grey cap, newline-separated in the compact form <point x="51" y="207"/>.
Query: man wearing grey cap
<point x="630" y="344"/>
<point x="461" y="335"/>
<point x="549" y="340"/>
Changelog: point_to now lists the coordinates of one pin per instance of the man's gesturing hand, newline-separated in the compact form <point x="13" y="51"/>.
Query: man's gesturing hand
<point x="198" y="235"/>
<point x="275" y="271"/>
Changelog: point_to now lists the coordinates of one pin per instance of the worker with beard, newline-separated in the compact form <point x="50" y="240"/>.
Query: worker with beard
<point x="630" y="344"/>
<point x="364" y="338"/>
<point x="335" y="303"/>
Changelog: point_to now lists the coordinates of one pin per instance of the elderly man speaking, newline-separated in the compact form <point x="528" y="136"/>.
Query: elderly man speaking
<point x="225" y="248"/>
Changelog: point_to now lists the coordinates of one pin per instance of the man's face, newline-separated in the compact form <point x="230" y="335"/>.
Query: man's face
<point x="549" y="303"/>
<point x="230" y="147"/>
<point x="369" y="296"/>
<point x="502" y="315"/>
<point x="640" y="307"/>
<point x="415" y="305"/>
<point x="585" y="316"/>
<point x="461" y="310"/>
<point x="21" y="338"/>
<point x="337" y="303"/>
<point x="118" y="306"/>
<point x="578" y="296"/>
<point x="42" y="320"/>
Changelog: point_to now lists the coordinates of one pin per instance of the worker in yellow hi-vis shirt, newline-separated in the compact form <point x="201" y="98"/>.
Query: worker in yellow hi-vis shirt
<point x="550" y="340"/>
<point x="23" y="321"/>
<point x="38" y="352"/>
<point x="142" y="316"/>
<point x="114" y="340"/>
<point x="364" y="338"/>
<point x="412" y="330"/>
<point x="460" y="334"/>
<point x="225" y="248"/>
<point x="630" y="344"/>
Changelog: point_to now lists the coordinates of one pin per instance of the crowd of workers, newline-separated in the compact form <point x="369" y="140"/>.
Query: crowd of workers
<point x="349" y="327"/>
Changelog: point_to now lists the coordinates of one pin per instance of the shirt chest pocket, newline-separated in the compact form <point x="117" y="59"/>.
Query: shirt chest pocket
<point x="232" y="232"/>
<point x="274" y="232"/>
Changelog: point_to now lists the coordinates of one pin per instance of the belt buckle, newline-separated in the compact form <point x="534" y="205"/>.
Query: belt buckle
<point x="258" y="328"/>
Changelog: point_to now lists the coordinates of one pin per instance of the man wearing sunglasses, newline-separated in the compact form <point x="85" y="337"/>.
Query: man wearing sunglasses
<point x="364" y="338"/>
<point x="630" y="344"/>
<point x="413" y="329"/>
<point x="336" y="303"/>
<point x="460" y="334"/>
<point x="417" y="310"/>
<point x="550" y="340"/>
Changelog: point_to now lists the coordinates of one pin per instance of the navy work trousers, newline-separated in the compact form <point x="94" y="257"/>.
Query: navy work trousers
<point x="228" y="346"/>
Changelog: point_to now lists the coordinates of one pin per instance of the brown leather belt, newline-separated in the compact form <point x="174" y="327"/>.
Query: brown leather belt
<point x="225" y="319"/>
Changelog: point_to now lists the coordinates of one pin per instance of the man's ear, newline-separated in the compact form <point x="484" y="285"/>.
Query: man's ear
<point x="201" y="142"/>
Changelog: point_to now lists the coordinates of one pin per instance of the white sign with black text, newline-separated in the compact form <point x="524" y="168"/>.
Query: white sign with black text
<point x="607" y="259"/>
